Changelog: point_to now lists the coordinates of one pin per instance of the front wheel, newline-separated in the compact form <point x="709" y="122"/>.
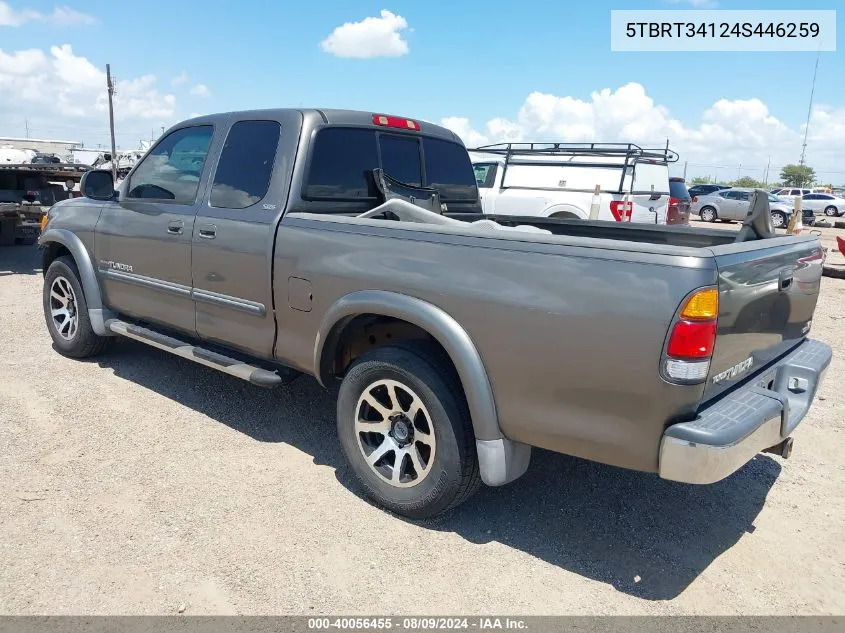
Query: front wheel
<point x="405" y="430"/>
<point x="831" y="211"/>
<point x="708" y="214"/>
<point x="66" y="312"/>
<point x="778" y="219"/>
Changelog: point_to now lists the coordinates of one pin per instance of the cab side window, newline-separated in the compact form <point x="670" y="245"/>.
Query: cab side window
<point x="246" y="165"/>
<point x="172" y="169"/>
<point x="485" y="174"/>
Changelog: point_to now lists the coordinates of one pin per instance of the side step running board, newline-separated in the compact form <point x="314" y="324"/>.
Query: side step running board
<point x="231" y="366"/>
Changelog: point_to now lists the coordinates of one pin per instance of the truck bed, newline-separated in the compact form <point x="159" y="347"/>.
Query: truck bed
<point x="630" y="232"/>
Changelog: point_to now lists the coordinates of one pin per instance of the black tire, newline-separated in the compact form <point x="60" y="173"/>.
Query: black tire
<point x="82" y="342"/>
<point x="778" y="219"/>
<point x="452" y="474"/>
<point x="831" y="211"/>
<point x="708" y="214"/>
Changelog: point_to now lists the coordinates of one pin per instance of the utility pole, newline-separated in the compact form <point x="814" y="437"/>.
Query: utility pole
<point x="685" y="171"/>
<point x="110" y="85"/>
<point x="810" y="107"/>
<point x="766" y="177"/>
<point x="26" y="124"/>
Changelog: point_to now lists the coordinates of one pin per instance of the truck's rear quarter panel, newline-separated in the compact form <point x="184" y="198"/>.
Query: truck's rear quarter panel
<point x="571" y="337"/>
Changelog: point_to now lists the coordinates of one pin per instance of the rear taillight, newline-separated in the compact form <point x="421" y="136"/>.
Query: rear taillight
<point x="674" y="202"/>
<point x="692" y="338"/>
<point x="621" y="210"/>
<point x="394" y="121"/>
<point x="695" y="198"/>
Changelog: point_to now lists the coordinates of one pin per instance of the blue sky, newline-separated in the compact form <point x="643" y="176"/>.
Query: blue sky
<point x="478" y="61"/>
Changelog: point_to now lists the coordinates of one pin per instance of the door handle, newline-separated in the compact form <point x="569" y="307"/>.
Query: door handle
<point x="784" y="280"/>
<point x="175" y="227"/>
<point x="208" y="231"/>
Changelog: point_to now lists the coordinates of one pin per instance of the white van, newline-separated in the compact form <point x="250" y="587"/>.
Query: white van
<point x="560" y="180"/>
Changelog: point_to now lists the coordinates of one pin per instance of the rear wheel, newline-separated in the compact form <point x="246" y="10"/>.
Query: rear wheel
<point x="831" y="211"/>
<point x="778" y="219"/>
<point x="708" y="214"/>
<point x="406" y="432"/>
<point x="66" y="312"/>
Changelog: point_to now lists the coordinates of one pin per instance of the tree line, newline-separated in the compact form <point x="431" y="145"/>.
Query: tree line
<point x="790" y="176"/>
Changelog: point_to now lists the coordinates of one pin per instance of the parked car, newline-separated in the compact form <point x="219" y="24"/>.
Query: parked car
<point x="732" y="204"/>
<point x="679" y="202"/>
<point x="559" y="180"/>
<point x="703" y="190"/>
<point x="351" y="246"/>
<point x="832" y="206"/>
<point x="789" y="193"/>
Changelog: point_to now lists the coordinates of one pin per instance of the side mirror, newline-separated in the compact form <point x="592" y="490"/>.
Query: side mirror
<point x="97" y="184"/>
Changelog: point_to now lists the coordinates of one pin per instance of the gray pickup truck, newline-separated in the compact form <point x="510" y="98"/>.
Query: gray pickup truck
<point x="350" y="246"/>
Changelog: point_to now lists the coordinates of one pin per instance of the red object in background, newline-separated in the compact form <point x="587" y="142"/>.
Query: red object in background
<point x="621" y="210"/>
<point x="841" y="244"/>
<point x="678" y="212"/>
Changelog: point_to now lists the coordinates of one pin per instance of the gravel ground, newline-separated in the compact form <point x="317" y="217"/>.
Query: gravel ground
<point x="140" y="483"/>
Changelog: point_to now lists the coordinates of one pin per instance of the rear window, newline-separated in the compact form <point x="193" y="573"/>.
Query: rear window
<point x="343" y="159"/>
<point x="447" y="167"/>
<point x="677" y="189"/>
<point x="400" y="158"/>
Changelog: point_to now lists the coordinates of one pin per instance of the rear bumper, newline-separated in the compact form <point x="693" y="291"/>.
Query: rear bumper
<point x="757" y="416"/>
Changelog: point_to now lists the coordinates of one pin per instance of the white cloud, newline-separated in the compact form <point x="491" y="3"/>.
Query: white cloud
<point x="60" y="16"/>
<point x="371" y="37"/>
<point x="65" y="16"/>
<point x="729" y="133"/>
<point x="179" y="79"/>
<point x="62" y="94"/>
<point x="200" y="90"/>
<point x="22" y="63"/>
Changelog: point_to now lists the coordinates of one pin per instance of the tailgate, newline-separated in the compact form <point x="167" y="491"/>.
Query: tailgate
<point x="767" y="296"/>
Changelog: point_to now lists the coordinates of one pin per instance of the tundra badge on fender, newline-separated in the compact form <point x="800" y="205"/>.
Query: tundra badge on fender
<point x="733" y="372"/>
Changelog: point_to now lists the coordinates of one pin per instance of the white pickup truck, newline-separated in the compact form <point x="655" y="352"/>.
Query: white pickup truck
<point x="619" y="181"/>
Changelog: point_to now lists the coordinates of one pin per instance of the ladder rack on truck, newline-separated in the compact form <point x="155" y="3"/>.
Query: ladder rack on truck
<point x="543" y="154"/>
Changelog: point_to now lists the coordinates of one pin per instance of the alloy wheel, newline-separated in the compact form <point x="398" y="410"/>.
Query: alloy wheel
<point x="63" y="308"/>
<point x="395" y="433"/>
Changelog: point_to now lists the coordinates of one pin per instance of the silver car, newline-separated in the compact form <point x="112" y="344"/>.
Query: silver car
<point x="733" y="204"/>
<point x="826" y="203"/>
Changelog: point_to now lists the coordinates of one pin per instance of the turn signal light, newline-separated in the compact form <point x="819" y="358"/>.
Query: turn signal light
<point x="702" y="306"/>
<point x="43" y="222"/>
